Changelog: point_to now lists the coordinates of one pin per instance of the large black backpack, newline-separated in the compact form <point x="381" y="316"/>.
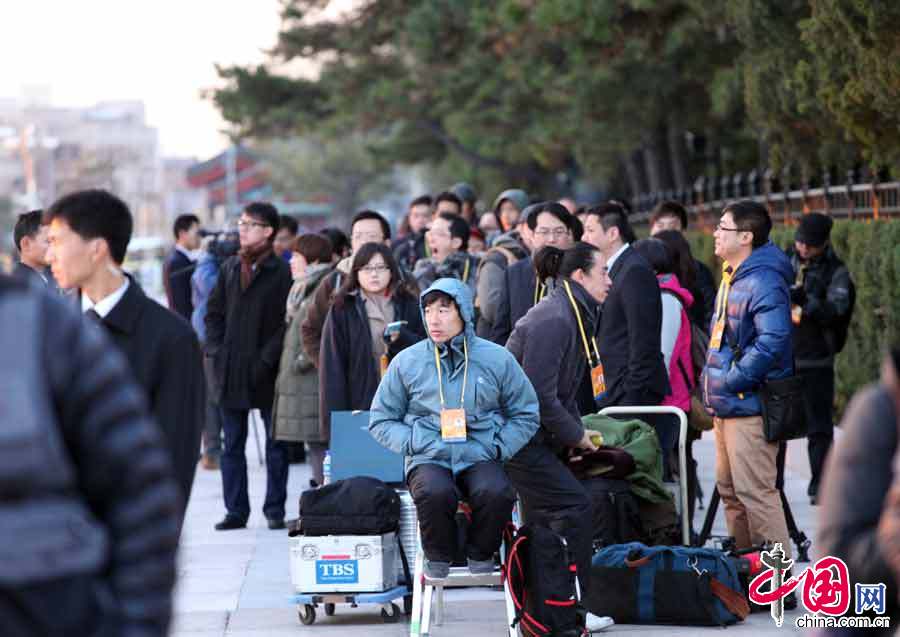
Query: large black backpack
<point x="617" y="518"/>
<point x="541" y="577"/>
<point x="355" y="506"/>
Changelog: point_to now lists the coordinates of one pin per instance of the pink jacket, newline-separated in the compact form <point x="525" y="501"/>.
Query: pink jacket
<point x="681" y="367"/>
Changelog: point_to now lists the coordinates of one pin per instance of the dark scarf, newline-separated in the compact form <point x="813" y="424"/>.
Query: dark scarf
<point x="252" y="256"/>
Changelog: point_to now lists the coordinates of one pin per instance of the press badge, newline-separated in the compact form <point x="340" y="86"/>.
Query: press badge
<point x="598" y="380"/>
<point x="453" y="425"/>
<point x="715" y="339"/>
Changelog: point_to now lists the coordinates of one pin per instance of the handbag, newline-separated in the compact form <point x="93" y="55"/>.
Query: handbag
<point x="783" y="405"/>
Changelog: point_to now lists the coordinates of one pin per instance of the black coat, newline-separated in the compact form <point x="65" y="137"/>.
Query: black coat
<point x="702" y="310"/>
<point x="548" y="345"/>
<point x="24" y="273"/>
<point x="516" y="300"/>
<point x="629" y="336"/>
<point x="177" y="271"/>
<point x="245" y="333"/>
<point x="348" y="374"/>
<point x="164" y="355"/>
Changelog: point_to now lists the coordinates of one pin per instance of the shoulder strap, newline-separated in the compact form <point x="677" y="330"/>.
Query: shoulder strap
<point x="732" y="600"/>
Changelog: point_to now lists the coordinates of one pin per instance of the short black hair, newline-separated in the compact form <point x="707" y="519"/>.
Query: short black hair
<point x="338" y="239"/>
<point x="459" y="228"/>
<point x="371" y="214"/>
<point x="315" y="248"/>
<point x="448" y="196"/>
<point x="532" y="212"/>
<point x="95" y="214"/>
<point x="438" y="296"/>
<point x="614" y="214"/>
<point x="424" y="200"/>
<point x="27" y="225"/>
<point x="287" y="222"/>
<point x="669" y="208"/>
<point x="183" y="223"/>
<point x="751" y="216"/>
<point x="264" y="212"/>
<point x="656" y="253"/>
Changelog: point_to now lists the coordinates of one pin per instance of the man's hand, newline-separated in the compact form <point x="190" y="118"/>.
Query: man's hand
<point x="585" y="444"/>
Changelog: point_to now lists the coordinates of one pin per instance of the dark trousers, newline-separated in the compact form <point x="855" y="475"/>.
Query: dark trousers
<point x="436" y="494"/>
<point x="212" y="429"/>
<point x="234" y="467"/>
<point x="552" y="496"/>
<point x="818" y="389"/>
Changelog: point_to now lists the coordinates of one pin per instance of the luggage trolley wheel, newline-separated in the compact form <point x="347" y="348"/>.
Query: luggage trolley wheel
<point x="307" y="614"/>
<point x="329" y="609"/>
<point x="394" y="616"/>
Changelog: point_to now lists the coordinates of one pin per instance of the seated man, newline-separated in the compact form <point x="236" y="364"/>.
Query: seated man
<point x="458" y="407"/>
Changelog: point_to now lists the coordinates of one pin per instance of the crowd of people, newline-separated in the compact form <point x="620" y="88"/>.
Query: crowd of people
<point x="478" y="342"/>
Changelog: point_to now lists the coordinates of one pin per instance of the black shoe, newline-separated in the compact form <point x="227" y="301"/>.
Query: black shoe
<point x="814" y="500"/>
<point x="276" y="524"/>
<point x="230" y="523"/>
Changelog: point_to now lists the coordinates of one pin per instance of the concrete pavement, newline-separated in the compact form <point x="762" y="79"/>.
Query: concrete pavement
<point x="237" y="583"/>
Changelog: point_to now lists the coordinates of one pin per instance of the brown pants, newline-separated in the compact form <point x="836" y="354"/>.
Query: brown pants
<point x="745" y="476"/>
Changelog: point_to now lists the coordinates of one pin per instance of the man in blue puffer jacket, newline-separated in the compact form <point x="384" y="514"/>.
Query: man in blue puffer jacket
<point x="458" y="407"/>
<point x="750" y="343"/>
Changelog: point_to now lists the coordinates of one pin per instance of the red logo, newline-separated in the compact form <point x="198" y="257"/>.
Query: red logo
<point x="826" y="587"/>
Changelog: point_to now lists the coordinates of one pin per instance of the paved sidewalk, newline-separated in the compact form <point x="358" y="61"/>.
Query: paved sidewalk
<point x="237" y="583"/>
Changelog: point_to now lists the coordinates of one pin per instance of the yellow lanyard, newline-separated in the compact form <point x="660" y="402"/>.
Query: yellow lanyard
<point x="539" y="292"/>
<point x="466" y="271"/>
<point x="724" y="289"/>
<point x="437" y="363"/>
<point x="584" y="340"/>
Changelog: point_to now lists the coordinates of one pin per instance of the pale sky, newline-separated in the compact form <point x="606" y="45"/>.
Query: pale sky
<point x="159" y="51"/>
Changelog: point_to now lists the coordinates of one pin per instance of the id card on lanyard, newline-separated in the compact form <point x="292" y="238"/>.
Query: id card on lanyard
<point x="718" y="331"/>
<point x="598" y="380"/>
<point x="453" y="421"/>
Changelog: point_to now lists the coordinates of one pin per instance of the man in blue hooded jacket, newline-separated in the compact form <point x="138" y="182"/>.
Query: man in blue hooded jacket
<point x="458" y="407"/>
<point x="750" y="343"/>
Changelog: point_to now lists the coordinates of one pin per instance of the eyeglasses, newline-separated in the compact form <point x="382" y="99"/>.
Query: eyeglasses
<point x="722" y="228"/>
<point x="368" y="237"/>
<point x="245" y="223"/>
<point x="555" y="232"/>
<point x="439" y="233"/>
<point x="375" y="269"/>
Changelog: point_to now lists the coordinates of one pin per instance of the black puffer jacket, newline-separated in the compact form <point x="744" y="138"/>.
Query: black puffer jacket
<point x="245" y="333"/>
<point x="89" y="509"/>
<point x="348" y="374"/>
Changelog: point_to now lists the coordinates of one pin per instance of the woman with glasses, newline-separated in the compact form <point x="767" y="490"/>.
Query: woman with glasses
<point x="372" y="319"/>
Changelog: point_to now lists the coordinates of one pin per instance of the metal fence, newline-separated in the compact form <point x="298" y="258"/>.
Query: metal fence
<point x="705" y="201"/>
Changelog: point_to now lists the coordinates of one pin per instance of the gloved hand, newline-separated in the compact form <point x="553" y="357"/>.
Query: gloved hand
<point x="798" y="295"/>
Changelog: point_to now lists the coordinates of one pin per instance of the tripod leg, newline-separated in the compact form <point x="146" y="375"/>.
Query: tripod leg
<point x="799" y="537"/>
<point x="710" y="518"/>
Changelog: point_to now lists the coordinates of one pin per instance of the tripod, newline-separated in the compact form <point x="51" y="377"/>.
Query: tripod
<point x="799" y="537"/>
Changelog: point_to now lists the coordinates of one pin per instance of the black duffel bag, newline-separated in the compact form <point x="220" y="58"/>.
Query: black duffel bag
<point x="355" y="506"/>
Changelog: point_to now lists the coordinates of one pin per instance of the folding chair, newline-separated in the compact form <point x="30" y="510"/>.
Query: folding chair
<point x="424" y="589"/>
<point x="682" y="498"/>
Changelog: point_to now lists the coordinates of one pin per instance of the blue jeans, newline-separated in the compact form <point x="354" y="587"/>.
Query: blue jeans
<point x="234" y="467"/>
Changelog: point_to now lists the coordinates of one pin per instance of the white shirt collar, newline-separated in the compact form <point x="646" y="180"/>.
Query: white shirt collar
<point x="105" y="306"/>
<point x="190" y="255"/>
<point x="612" y="260"/>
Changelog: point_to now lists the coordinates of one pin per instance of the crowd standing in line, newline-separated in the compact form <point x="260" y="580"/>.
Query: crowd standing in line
<point x="536" y="314"/>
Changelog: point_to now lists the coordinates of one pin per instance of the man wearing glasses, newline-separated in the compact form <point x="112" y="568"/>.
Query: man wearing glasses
<point x="448" y="243"/>
<point x="547" y="224"/>
<point x="750" y="343"/>
<point x="366" y="227"/>
<point x="244" y="333"/>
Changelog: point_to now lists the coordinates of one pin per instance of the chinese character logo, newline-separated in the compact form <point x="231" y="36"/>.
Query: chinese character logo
<point x="826" y="585"/>
<point x="870" y="597"/>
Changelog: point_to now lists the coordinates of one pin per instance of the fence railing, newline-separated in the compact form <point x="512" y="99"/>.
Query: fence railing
<point x="871" y="200"/>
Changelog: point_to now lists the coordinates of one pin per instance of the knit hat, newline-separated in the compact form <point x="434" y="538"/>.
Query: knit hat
<point x="464" y="191"/>
<point x="814" y="229"/>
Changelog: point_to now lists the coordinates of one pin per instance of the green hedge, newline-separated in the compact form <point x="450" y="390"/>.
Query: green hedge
<point x="871" y="250"/>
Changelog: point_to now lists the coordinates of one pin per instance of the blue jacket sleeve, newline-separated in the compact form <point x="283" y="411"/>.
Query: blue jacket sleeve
<point x="386" y="423"/>
<point x="771" y="318"/>
<point x="520" y="409"/>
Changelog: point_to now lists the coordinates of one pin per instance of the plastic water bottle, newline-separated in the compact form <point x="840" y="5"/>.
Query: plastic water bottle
<point x="326" y="468"/>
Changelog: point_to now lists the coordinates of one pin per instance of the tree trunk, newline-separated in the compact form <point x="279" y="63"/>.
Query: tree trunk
<point x="633" y="173"/>
<point x="675" y="136"/>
